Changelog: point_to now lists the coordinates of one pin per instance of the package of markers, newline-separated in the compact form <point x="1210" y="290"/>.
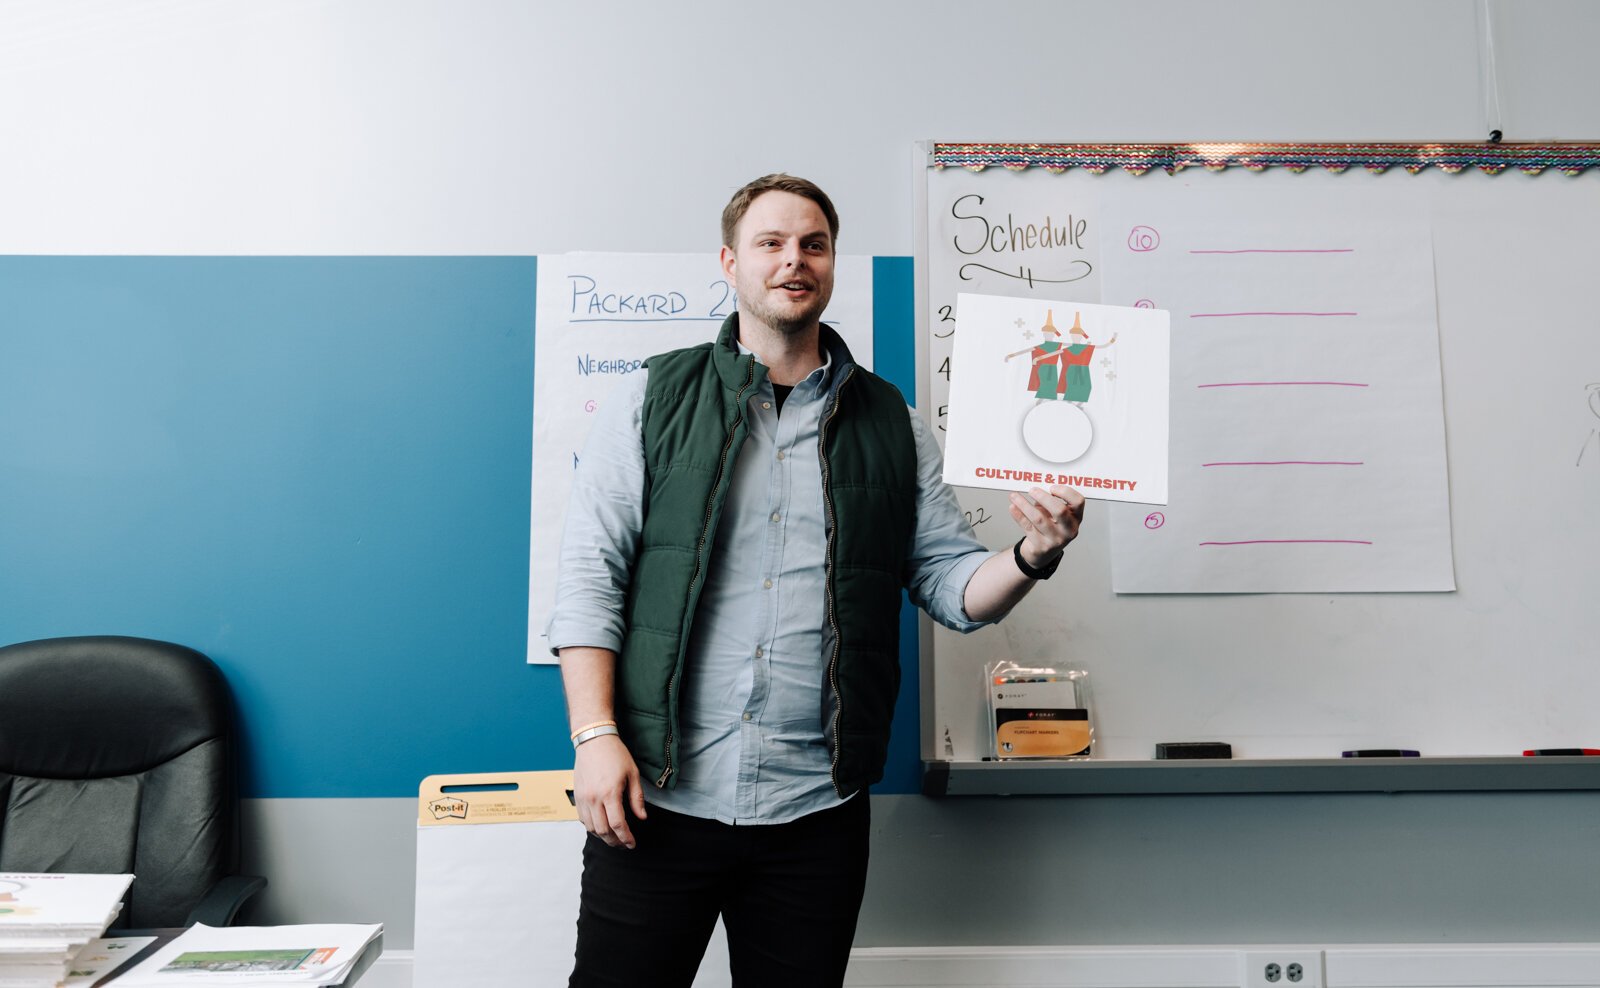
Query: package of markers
<point x="1039" y="712"/>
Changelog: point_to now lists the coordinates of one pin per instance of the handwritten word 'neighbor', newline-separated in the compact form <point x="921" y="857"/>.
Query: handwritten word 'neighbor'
<point x="617" y="365"/>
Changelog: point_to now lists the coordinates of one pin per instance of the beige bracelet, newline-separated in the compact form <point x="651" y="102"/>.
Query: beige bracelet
<point x="598" y="723"/>
<point x="589" y="734"/>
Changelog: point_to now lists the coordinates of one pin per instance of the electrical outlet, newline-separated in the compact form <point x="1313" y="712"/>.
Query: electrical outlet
<point x="1282" y="967"/>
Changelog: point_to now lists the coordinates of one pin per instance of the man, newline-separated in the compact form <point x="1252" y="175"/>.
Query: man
<point x="743" y="519"/>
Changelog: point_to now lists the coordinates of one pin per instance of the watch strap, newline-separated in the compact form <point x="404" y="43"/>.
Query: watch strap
<point x="1040" y="573"/>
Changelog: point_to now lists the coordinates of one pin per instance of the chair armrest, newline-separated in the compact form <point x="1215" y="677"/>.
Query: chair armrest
<point x="223" y="900"/>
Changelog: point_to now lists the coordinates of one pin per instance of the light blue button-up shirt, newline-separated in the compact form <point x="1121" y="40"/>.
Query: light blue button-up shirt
<point x="755" y="713"/>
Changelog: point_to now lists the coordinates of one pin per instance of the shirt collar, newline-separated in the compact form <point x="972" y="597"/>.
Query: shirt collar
<point x="820" y="376"/>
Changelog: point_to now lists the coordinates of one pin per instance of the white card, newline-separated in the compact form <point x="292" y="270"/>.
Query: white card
<point x="1072" y="393"/>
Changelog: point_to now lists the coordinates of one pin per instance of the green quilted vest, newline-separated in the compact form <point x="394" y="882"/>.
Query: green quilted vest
<point x="694" y="425"/>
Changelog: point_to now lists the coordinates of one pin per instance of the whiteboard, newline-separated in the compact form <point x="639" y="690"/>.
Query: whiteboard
<point x="1504" y="662"/>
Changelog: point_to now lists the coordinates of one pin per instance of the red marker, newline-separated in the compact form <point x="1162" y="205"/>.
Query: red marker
<point x="1562" y="751"/>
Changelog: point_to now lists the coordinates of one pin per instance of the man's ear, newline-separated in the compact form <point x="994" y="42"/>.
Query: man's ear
<point x="730" y="262"/>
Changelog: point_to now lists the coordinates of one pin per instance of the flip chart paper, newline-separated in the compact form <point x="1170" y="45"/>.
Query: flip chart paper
<point x="499" y="875"/>
<point x="497" y="878"/>
<point x="1307" y="417"/>
<point x="1056" y="392"/>
<point x="599" y="316"/>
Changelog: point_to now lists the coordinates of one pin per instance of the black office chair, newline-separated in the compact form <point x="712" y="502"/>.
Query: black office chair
<point x="117" y="756"/>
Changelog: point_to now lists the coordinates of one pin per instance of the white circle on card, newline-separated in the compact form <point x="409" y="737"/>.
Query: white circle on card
<point x="1057" y="431"/>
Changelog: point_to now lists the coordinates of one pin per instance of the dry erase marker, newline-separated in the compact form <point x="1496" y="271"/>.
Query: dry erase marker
<point x="1383" y="753"/>
<point x="1562" y="751"/>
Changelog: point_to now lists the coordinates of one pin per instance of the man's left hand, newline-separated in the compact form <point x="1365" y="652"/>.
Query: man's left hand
<point x="1049" y="520"/>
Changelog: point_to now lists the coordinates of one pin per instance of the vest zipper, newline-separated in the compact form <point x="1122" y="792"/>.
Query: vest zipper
<point x="833" y="617"/>
<point x="699" y="556"/>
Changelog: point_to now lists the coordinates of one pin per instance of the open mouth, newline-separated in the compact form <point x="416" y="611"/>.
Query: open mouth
<point x="796" y="287"/>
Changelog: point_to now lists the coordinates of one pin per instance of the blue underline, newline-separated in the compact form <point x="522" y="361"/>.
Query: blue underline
<point x="835" y="325"/>
<point x="664" y="319"/>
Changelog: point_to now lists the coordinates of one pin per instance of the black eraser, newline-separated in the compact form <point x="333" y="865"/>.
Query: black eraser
<point x="1194" y="749"/>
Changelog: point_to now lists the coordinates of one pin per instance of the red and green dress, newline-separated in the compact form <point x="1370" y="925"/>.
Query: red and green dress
<point x="1045" y="380"/>
<point x="1077" y="383"/>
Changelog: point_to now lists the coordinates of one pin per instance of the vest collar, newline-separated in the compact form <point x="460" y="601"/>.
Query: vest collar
<point x="734" y="371"/>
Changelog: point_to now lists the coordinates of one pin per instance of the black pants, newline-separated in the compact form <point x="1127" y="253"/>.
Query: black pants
<point x="788" y="895"/>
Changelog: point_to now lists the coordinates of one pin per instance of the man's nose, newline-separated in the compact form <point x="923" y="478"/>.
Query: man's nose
<point x="793" y="257"/>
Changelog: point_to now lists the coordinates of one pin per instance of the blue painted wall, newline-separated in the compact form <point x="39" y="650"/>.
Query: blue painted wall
<point x="316" y="471"/>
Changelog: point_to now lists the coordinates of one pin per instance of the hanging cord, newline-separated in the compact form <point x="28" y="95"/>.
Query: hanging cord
<point x="1486" y="72"/>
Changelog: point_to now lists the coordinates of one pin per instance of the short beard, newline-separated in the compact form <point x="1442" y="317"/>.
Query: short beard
<point x="784" y="324"/>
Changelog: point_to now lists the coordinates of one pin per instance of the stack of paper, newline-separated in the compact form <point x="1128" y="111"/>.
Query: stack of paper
<point x="45" y="920"/>
<point x="254" y="955"/>
<point x="99" y="959"/>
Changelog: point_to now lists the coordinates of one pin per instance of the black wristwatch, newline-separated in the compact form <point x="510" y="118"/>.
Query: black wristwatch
<point x="1028" y="571"/>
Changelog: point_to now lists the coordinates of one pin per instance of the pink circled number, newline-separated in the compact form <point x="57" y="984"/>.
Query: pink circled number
<point x="1143" y="239"/>
<point x="1154" y="520"/>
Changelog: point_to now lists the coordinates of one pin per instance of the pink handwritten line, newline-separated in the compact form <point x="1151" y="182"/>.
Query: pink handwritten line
<point x="1294" y="542"/>
<point x="1271" y="384"/>
<point x="1282" y="463"/>
<point x="1222" y="315"/>
<point x="1334" y="250"/>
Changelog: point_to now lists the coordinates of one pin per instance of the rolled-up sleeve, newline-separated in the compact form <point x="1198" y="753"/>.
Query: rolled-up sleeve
<point x="605" y="515"/>
<point x="944" y="553"/>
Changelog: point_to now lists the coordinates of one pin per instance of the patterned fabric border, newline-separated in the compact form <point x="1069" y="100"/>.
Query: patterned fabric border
<point x="1492" y="159"/>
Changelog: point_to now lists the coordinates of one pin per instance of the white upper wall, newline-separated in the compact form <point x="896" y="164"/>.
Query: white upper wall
<point x="502" y="127"/>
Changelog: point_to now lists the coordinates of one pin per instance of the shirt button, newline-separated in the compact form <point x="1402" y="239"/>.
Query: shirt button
<point x="780" y="454"/>
<point x="775" y="516"/>
<point x="766" y="404"/>
<point x="746" y="716"/>
<point x="759" y="652"/>
<point x="766" y="584"/>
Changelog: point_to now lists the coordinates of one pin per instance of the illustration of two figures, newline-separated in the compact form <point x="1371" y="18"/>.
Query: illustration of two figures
<point x="1061" y="370"/>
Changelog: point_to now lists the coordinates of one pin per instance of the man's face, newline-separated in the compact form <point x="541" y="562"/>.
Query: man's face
<point x="782" y="266"/>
